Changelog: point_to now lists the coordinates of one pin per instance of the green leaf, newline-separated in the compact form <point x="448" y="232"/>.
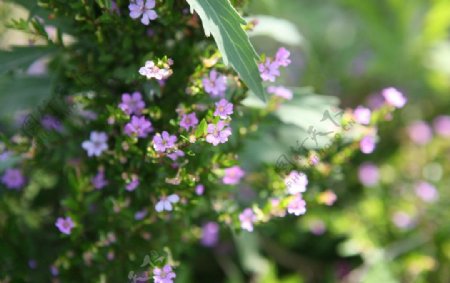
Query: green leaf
<point x="21" y="57"/>
<point x="220" y="19"/>
<point x="201" y="129"/>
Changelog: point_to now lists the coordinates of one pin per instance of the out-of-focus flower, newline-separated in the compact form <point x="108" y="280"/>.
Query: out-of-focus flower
<point x="362" y="115"/>
<point x="99" y="181"/>
<point x="328" y="198"/>
<point x="189" y="121"/>
<point x="132" y="185"/>
<point x="297" y="206"/>
<point x="280" y="91"/>
<point x="50" y="122"/>
<point x="441" y="125"/>
<point x="223" y="109"/>
<point x="210" y="234"/>
<point x="394" y="97"/>
<point x="140" y="8"/>
<point x="164" y="275"/>
<point x="218" y="133"/>
<point x="247" y="218"/>
<point x="233" y="175"/>
<point x="282" y="57"/>
<point x="164" y="141"/>
<point x="165" y="203"/>
<point x="317" y="227"/>
<point x="402" y="220"/>
<point x="138" y="126"/>
<point x="65" y="225"/>
<point x="368" y="174"/>
<point x="175" y="155"/>
<point x="269" y="70"/>
<point x="367" y="144"/>
<point x="132" y="104"/>
<point x="13" y="178"/>
<point x="199" y="189"/>
<point x="296" y="182"/>
<point x="426" y="191"/>
<point x="140" y="214"/>
<point x="420" y="132"/>
<point x="97" y="144"/>
<point x="215" y="84"/>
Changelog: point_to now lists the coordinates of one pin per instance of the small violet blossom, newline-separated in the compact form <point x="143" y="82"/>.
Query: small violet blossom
<point x="140" y="214"/>
<point x="362" y="115"/>
<point x="426" y="191"/>
<point x="164" y="141"/>
<point x="138" y="126"/>
<point x="150" y="70"/>
<point x="402" y="220"/>
<point x="367" y="144"/>
<point x="188" y="121"/>
<point x="282" y="57"/>
<point x="65" y="225"/>
<point x="132" y="185"/>
<point x="99" y="181"/>
<point x="296" y="182"/>
<point x="368" y="174"/>
<point x="233" y="175"/>
<point x="97" y="144"/>
<point x="215" y="84"/>
<point x="223" y="109"/>
<point x="13" y="178"/>
<point x="175" y="155"/>
<point x="51" y="123"/>
<point x="163" y="275"/>
<point x="218" y="133"/>
<point x="132" y="104"/>
<point x="247" y="218"/>
<point x="210" y="234"/>
<point x="269" y="70"/>
<point x="280" y="91"/>
<point x="165" y="203"/>
<point x="441" y="125"/>
<point x="199" y="189"/>
<point x="394" y="97"/>
<point x="420" y="132"/>
<point x="143" y="8"/>
<point x="297" y="206"/>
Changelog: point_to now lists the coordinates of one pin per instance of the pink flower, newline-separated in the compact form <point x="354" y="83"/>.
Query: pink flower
<point x="97" y="144"/>
<point x="362" y="115"/>
<point x="394" y="97"/>
<point x="132" y="104"/>
<point x="218" y="133"/>
<point x="233" y="175"/>
<point x="367" y="144"/>
<point x="420" y="133"/>
<point x="247" y="218"/>
<point x="215" y="85"/>
<point x="150" y="70"/>
<point x="138" y="126"/>
<point x="163" y="142"/>
<point x="297" y="206"/>
<point x="188" y="121"/>
<point x="442" y="125"/>
<point x="164" y="275"/>
<point x="402" y="220"/>
<point x="13" y="179"/>
<point x="282" y="57"/>
<point x="139" y="8"/>
<point x="296" y="182"/>
<point x="65" y="225"/>
<point x="165" y="203"/>
<point x="199" y="189"/>
<point x="133" y="184"/>
<point x="426" y="191"/>
<point x="368" y="174"/>
<point x="280" y="91"/>
<point x="223" y="109"/>
<point x="269" y="70"/>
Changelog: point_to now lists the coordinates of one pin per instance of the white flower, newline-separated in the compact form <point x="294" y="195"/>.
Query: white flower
<point x="96" y="144"/>
<point x="139" y="8"/>
<point x="150" y="70"/>
<point x="296" y="182"/>
<point x="165" y="203"/>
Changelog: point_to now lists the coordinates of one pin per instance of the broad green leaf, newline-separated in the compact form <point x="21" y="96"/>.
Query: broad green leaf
<point x="220" y="19"/>
<point x="201" y="129"/>
<point x="21" y="57"/>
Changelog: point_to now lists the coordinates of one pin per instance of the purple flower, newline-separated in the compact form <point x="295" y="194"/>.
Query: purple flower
<point x="210" y="234"/>
<point x="269" y="70"/>
<point x="175" y="155"/>
<point x="164" y="275"/>
<point x="297" y="206"/>
<point x="51" y="123"/>
<point x="140" y="214"/>
<point x="145" y="9"/>
<point x="282" y="57"/>
<point x="150" y="70"/>
<point x="442" y="125"/>
<point x="132" y="104"/>
<point x="367" y="144"/>
<point x="402" y="220"/>
<point x="138" y="126"/>
<point x="132" y="185"/>
<point x="280" y="91"/>
<point x="368" y="174"/>
<point x="165" y="203"/>
<point x="188" y="121"/>
<point x="215" y="85"/>
<point x="218" y="133"/>
<point x="65" y="225"/>
<point x="223" y="109"/>
<point x="426" y="191"/>
<point x="13" y="179"/>
<point x="317" y="227"/>
<point x="362" y="115"/>
<point x="99" y="181"/>
<point x="420" y="133"/>
<point x="394" y="97"/>
<point x="164" y="141"/>
<point x="96" y="144"/>
<point x="233" y="175"/>
<point x="54" y="270"/>
<point x="296" y="182"/>
<point x="247" y="218"/>
<point x="199" y="189"/>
